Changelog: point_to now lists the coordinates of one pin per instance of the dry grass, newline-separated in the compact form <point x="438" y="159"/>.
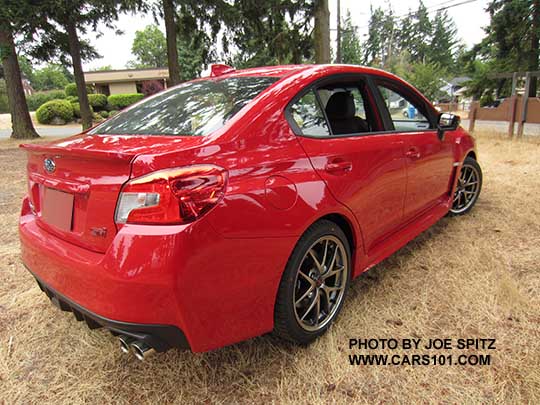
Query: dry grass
<point x="473" y="276"/>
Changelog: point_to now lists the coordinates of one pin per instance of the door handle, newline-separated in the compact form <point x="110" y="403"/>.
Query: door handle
<point x="413" y="153"/>
<point x="338" y="166"/>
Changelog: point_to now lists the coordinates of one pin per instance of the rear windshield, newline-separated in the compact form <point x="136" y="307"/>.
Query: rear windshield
<point x="195" y="108"/>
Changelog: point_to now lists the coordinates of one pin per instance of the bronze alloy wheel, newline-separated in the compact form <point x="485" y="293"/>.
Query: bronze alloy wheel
<point x="468" y="187"/>
<point x="320" y="283"/>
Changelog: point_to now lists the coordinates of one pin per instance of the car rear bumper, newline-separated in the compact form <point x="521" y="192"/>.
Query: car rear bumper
<point x="159" y="337"/>
<point x="216" y="291"/>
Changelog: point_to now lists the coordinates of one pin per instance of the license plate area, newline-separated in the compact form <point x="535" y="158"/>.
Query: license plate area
<point x="57" y="208"/>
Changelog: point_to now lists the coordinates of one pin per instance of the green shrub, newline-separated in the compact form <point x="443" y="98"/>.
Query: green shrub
<point x="98" y="101"/>
<point x="104" y="114"/>
<point x="50" y="110"/>
<point x="4" y="106"/>
<point x="71" y="90"/>
<point x="119" y="101"/>
<point x="72" y="99"/>
<point x="39" y="98"/>
<point x="77" y="109"/>
<point x="112" y="113"/>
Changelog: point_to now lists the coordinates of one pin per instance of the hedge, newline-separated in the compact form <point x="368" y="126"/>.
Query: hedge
<point x="98" y="101"/>
<point x="119" y="101"/>
<point x="50" y="110"/>
<point x="71" y="90"/>
<point x="104" y="114"/>
<point x="77" y="109"/>
<point x="72" y="99"/>
<point x="36" y="100"/>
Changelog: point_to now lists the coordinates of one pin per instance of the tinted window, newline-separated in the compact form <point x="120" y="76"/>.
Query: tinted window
<point x="345" y="109"/>
<point x="196" y="108"/>
<point x="405" y="114"/>
<point x="309" y="117"/>
<point x="359" y="109"/>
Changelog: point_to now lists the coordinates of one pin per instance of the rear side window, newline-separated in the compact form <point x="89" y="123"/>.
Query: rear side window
<point x="196" y="108"/>
<point x="405" y="113"/>
<point x="309" y="117"/>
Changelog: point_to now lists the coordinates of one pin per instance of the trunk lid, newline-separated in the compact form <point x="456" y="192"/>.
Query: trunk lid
<point x="73" y="184"/>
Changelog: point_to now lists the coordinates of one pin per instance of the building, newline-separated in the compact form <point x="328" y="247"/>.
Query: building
<point x="124" y="81"/>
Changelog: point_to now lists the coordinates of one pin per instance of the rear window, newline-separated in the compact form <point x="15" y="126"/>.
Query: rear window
<point x="196" y="108"/>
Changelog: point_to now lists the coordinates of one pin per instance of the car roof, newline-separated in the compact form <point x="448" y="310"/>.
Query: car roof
<point x="282" y="71"/>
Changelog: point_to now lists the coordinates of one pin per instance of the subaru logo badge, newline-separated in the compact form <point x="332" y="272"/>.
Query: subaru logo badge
<point x="49" y="165"/>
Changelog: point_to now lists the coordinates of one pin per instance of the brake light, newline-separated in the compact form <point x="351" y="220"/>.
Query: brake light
<point x="171" y="196"/>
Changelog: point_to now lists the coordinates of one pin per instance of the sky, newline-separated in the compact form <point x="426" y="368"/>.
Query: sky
<point x="469" y="18"/>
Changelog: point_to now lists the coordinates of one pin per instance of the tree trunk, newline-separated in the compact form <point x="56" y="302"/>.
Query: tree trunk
<point x="322" y="32"/>
<point x="21" y="123"/>
<point x="172" y="49"/>
<point x="75" y="52"/>
<point x="338" y="36"/>
<point x="533" y="62"/>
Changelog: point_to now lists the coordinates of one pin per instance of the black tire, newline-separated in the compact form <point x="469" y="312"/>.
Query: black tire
<point x="460" y="206"/>
<point x="327" y="241"/>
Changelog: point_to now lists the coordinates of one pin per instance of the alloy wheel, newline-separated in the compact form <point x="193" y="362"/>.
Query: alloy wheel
<point x="320" y="283"/>
<point x="467" y="189"/>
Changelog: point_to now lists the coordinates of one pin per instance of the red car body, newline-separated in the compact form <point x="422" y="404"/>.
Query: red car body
<point x="213" y="281"/>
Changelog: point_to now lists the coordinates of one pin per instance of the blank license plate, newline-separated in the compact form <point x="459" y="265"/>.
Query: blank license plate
<point x="57" y="208"/>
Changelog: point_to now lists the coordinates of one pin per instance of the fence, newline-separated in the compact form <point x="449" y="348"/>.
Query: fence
<point x="517" y="108"/>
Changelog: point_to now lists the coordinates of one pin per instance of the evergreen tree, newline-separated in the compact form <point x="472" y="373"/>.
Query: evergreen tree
<point x="14" y="20"/>
<point x="373" y="48"/>
<point x="421" y="34"/>
<point x="404" y="35"/>
<point x="443" y="41"/>
<point x="351" y="51"/>
<point x="510" y="45"/>
<point x="62" y="23"/>
<point x="270" y="32"/>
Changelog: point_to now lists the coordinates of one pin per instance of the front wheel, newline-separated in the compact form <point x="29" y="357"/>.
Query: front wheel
<point x="314" y="284"/>
<point x="468" y="187"/>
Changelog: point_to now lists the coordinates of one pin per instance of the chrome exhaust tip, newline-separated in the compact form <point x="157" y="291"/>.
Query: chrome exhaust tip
<point x="125" y="342"/>
<point x="141" y="350"/>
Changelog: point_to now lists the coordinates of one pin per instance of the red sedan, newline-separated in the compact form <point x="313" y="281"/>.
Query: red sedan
<point x="239" y="204"/>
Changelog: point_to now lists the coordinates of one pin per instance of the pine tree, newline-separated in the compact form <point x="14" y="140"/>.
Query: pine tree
<point x="373" y="48"/>
<point x="351" y="51"/>
<point x="443" y="41"/>
<point x="421" y="34"/>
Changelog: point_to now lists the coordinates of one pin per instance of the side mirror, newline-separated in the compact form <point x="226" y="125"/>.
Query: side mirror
<point x="447" y="122"/>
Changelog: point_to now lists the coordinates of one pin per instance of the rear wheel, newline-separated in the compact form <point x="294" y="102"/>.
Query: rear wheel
<point x="468" y="187"/>
<point x="314" y="284"/>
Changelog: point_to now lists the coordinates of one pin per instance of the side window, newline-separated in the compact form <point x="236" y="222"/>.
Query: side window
<point x="405" y="115"/>
<point x="345" y="108"/>
<point x="309" y="117"/>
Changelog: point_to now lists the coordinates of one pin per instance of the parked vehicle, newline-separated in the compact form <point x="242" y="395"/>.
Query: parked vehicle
<point x="239" y="204"/>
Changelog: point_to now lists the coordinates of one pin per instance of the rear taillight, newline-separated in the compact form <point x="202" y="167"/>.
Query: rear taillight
<point x="171" y="196"/>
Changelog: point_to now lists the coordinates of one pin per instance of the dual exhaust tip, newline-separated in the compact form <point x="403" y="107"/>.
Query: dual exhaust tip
<point x="140" y="349"/>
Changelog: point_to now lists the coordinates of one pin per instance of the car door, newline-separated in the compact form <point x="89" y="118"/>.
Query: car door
<point x="363" y="168"/>
<point x="429" y="158"/>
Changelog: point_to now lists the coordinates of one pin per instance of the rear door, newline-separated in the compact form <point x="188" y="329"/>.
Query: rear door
<point x="429" y="158"/>
<point x="364" y="170"/>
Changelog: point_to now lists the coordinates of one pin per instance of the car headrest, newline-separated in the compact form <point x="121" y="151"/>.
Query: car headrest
<point x="340" y="106"/>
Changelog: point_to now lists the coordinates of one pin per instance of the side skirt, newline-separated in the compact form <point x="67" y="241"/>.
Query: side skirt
<point x="403" y="236"/>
